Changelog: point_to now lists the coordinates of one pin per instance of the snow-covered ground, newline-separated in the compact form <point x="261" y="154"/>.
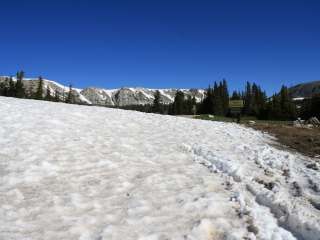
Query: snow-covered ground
<point x="77" y="172"/>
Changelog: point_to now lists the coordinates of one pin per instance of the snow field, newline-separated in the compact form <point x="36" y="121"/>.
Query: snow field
<point x="77" y="172"/>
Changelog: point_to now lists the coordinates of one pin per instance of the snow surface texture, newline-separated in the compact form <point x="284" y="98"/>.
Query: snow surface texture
<point x="80" y="172"/>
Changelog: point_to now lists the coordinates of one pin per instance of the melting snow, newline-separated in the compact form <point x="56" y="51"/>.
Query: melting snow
<point x="78" y="172"/>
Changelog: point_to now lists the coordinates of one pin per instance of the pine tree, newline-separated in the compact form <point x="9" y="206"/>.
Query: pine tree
<point x="188" y="105"/>
<point x="254" y="99"/>
<point x="315" y="106"/>
<point x="258" y="100"/>
<point x="276" y="111"/>
<point x="236" y="95"/>
<point x="288" y="110"/>
<point x="56" y="96"/>
<point x="39" y="92"/>
<point x="19" y="88"/>
<point x="178" y="104"/>
<point x="70" y="95"/>
<point x="193" y="105"/>
<point x="171" y="109"/>
<point x="48" y="96"/>
<point x="206" y="106"/>
<point x="156" y="107"/>
<point x="4" y="87"/>
<point x="225" y="96"/>
<point x="218" y="99"/>
<point x="12" y="88"/>
<point x="247" y="109"/>
<point x="306" y="108"/>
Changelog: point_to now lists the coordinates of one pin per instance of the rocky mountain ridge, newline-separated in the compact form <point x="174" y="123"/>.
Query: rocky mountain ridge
<point x="109" y="97"/>
<point x="305" y="90"/>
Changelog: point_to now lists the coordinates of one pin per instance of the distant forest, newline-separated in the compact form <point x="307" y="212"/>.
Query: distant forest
<point x="279" y="106"/>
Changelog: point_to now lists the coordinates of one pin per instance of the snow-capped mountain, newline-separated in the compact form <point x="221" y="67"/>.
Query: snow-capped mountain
<point x="110" y="97"/>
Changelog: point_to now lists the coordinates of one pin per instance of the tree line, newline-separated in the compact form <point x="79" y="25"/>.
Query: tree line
<point x="279" y="106"/>
<point x="182" y="105"/>
<point x="15" y="88"/>
<point x="310" y="107"/>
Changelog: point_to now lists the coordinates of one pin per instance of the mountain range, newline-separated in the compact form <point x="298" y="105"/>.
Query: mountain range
<point x="305" y="90"/>
<point x="109" y="97"/>
<point x="125" y="96"/>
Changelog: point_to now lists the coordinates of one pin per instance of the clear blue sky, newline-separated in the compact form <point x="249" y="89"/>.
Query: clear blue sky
<point x="162" y="44"/>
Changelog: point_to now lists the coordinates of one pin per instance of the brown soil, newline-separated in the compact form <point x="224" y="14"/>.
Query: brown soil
<point x="303" y="140"/>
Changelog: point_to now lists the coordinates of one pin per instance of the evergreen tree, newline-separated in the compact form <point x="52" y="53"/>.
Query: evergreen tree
<point x="216" y="100"/>
<point x="218" y="105"/>
<point x="315" y="106"/>
<point x="56" y="96"/>
<point x="247" y="109"/>
<point x="70" y="97"/>
<point x="225" y="96"/>
<point x="276" y="112"/>
<point x="48" y="96"/>
<point x="12" y="88"/>
<point x="254" y="101"/>
<point x="193" y="105"/>
<point x="273" y="109"/>
<point x="19" y="88"/>
<point x="236" y="95"/>
<point x="178" y="104"/>
<point x="288" y="109"/>
<point x="206" y="106"/>
<point x="39" y="93"/>
<point x="170" y="109"/>
<point x="189" y="105"/>
<point x="156" y="107"/>
<point x="258" y="101"/>
<point x="4" y="87"/>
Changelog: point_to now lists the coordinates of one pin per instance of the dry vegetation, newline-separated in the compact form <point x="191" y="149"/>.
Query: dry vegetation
<point x="303" y="140"/>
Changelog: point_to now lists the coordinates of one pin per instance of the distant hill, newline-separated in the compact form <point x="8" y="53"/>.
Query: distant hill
<point x="305" y="90"/>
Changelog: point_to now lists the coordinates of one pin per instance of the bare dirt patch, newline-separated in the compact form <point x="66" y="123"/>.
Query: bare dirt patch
<point x="303" y="140"/>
